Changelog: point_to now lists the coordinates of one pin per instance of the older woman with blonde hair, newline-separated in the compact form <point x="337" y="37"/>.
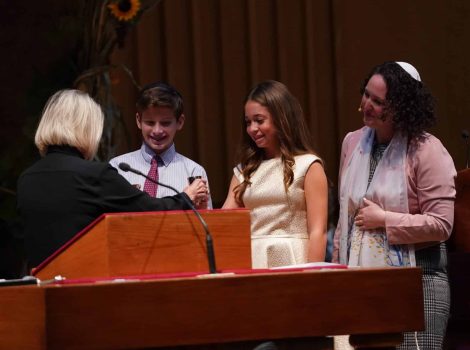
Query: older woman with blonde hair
<point x="70" y="118"/>
<point x="65" y="191"/>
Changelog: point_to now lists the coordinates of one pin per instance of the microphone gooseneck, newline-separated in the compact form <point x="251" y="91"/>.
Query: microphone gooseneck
<point x="209" y="242"/>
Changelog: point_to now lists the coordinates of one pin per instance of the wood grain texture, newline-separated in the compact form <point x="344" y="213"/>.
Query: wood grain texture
<point x="460" y="238"/>
<point x="22" y="318"/>
<point x="88" y="256"/>
<point x="213" y="51"/>
<point x="459" y="260"/>
<point x="156" y="242"/>
<point x="196" y="311"/>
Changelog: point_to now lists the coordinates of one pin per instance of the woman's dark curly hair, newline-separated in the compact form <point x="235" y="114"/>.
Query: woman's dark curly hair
<point x="408" y="100"/>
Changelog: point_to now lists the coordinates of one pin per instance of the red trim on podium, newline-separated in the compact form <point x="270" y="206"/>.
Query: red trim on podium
<point x="201" y="274"/>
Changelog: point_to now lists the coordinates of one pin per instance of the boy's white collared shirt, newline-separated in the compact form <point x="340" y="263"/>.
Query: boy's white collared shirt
<point x="175" y="170"/>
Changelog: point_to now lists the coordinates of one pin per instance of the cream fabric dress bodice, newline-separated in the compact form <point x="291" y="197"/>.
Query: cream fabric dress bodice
<point x="278" y="219"/>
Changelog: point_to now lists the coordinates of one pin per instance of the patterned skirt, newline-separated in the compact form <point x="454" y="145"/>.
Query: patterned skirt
<point x="436" y="291"/>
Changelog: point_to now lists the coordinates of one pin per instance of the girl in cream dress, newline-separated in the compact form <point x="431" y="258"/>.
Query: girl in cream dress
<point x="281" y="180"/>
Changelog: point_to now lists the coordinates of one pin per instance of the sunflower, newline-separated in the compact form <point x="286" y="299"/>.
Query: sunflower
<point x="124" y="10"/>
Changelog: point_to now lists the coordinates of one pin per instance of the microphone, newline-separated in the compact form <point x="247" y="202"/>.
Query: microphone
<point x="465" y="136"/>
<point x="209" y="242"/>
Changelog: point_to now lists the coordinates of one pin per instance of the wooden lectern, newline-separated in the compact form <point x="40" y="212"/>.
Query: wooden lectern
<point x="127" y="244"/>
<point x="459" y="262"/>
<point x="237" y="310"/>
<point x="295" y="309"/>
<point x="460" y="239"/>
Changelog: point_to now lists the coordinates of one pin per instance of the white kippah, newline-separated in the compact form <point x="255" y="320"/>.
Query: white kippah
<point x="410" y="70"/>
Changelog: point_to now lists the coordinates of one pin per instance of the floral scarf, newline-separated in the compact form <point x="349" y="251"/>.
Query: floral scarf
<point x="388" y="188"/>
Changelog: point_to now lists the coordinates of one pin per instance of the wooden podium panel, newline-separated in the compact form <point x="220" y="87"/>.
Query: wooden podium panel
<point x="22" y="318"/>
<point x="371" y="304"/>
<point x="151" y="243"/>
<point x="459" y="261"/>
<point x="460" y="238"/>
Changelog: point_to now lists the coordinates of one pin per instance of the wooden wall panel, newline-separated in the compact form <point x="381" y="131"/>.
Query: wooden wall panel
<point x="150" y="37"/>
<point x="320" y="106"/>
<point x="291" y="47"/>
<point x="263" y="44"/>
<point x="456" y="107"/>
<point x="235" y="75"/>
<point x="209" y="114"/>
<point x="371" y="32"/>
<point x="214" y="51"/>
<point x="179" y="65"/>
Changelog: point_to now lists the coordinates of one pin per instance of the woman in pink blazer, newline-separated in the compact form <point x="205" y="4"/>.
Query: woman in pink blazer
<point x="397" y="191"/>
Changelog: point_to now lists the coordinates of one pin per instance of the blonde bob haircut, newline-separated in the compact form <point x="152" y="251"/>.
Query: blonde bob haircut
<point x="70" y="118"/>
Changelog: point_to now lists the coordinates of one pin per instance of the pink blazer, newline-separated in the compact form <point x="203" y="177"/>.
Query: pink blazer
<point x="431" y="193"/>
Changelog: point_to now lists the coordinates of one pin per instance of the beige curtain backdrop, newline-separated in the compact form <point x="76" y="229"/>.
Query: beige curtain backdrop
<point x="213" y="51"/>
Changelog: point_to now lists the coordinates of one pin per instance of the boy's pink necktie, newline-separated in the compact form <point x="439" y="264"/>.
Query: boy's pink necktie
<point x="149" y="186"/>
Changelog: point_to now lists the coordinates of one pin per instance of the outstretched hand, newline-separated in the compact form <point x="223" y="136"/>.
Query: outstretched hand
<point x="198" y="193"/>
<point x="370" y="216"/>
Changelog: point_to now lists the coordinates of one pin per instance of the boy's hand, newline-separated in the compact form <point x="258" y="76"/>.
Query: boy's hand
<point x="198" y="193"/>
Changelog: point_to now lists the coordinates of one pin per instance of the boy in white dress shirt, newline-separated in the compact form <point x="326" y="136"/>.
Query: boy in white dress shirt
<point x="159" y="117"/>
